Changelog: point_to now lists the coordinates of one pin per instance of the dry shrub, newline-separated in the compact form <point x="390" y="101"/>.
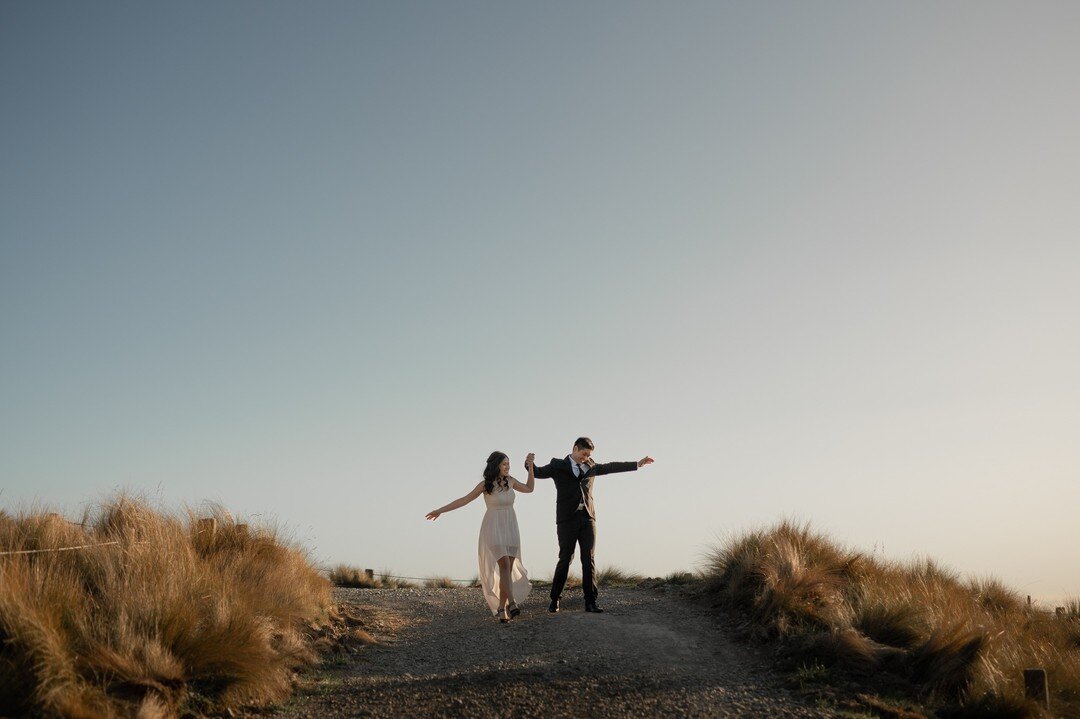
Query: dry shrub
<point x="681" y="578"/>
<point x="440" y="583"/>
<point x="389" y="580"/>
<point x="788" y="579"/>
<point x="616" y="577"/>
<point x="346" y="630"/>
<point x="964" y="645"/>
<point x="946" y="661"/>
<point x="165" y="615"/>
<point x="894" y="625"/>
<point x="995" y="597"/>
<point x="345" y="576"/>
<point x="847" y="648"/>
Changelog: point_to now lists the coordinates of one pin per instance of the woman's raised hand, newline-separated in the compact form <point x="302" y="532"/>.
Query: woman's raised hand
<point x="433" y="515"/>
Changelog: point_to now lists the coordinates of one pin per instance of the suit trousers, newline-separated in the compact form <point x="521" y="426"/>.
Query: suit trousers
<point x="578" y="530"/>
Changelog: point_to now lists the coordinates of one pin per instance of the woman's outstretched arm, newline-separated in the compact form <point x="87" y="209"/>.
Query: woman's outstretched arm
<point x="528" y="486"/>
<point x="460" y="502"/>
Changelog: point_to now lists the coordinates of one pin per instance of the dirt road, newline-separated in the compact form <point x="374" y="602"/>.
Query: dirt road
<point x="650" y="654"/>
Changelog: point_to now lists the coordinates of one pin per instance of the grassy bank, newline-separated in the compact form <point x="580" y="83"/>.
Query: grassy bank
<point x="344" y="575"/>
<point x="913" y="630"/>
<point x="155" y="615"/>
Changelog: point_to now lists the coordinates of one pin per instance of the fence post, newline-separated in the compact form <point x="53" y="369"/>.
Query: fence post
<point x="1035" y="687"/>
<point x="370" y="573"/>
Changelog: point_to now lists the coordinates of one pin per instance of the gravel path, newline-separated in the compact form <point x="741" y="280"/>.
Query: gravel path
<point x="650" y="654"/>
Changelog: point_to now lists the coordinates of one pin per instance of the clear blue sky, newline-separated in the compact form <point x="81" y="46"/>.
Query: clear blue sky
<point x="317" y="260"/>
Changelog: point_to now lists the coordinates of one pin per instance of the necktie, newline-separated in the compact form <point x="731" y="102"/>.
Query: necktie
<point x="581" y="478"/>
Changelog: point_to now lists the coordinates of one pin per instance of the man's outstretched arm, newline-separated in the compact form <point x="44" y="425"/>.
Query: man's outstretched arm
<point x="613" y="467"/>
<point x="542" y="472"/>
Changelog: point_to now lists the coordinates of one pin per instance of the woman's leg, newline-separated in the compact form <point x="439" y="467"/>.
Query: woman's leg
<point x="506" y="564"/>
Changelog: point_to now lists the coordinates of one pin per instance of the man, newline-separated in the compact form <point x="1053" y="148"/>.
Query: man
<point x="575" y="517"/>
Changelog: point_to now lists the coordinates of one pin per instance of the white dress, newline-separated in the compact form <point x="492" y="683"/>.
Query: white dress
<point x="499" y="537"/>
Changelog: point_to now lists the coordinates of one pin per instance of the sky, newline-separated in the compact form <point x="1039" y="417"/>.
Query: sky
<point x="316" y="261"/>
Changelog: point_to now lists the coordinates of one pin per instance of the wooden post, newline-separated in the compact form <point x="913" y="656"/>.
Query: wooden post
<point x="1035" y="687"/>
<point x="1029" y="601"/>
<point x="370" y="573"/>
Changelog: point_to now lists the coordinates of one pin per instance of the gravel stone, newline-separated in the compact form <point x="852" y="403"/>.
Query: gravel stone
<point x="649" y="654"/>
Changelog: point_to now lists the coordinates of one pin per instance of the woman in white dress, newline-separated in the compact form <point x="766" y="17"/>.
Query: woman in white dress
<point x="502" y="575"/>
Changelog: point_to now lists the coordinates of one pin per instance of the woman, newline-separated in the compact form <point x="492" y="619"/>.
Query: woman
<point x="502" y="576"/>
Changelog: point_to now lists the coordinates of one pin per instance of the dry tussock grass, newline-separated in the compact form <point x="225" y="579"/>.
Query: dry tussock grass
<point x="388" y="579"/>
<point x="167" y="617"/>
<point x="963" y="646"/>
<point x="440" y="583"/>
<point x="617" y="577"/>
<point x="345" y="576"/>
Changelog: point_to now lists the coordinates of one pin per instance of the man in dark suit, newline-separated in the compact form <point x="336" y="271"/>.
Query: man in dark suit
<point x="575" y="517"/>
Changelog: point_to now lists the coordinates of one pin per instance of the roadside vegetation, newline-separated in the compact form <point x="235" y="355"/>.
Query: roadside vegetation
<point x="344" y="575"/>
<point x="154" y="615"/>
<point x="915" y="633"/>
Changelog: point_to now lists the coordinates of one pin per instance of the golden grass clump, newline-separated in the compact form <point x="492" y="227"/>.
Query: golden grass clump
<point x="616" y="577"/>
<point x="345" y="576"/>
<point x="785" y="578"/>
<point x="163" y="615"/>
<point x="961" y="646"/>
<point x="440" y="583"/>
<point x="682" y="578"/>
<point x="389" y="580"/>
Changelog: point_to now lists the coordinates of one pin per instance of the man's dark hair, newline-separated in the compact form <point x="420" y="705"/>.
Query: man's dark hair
<point x="583" y="443"/>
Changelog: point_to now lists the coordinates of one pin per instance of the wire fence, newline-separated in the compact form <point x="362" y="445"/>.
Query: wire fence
<point x="427" y="579"/>
<point x="383" y="575"/>
<point x="377" y="575"/>
<point x="63" y="549"/>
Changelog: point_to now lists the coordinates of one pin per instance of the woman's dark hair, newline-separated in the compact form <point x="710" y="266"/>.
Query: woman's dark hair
<point x="491" y="472"/>
<point x="583" y="443"/>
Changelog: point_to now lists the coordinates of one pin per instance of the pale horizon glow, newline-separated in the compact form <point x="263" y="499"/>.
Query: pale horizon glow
<point x="820" y="260"/>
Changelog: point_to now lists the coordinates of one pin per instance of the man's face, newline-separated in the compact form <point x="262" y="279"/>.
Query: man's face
<point x="580" y="454"/>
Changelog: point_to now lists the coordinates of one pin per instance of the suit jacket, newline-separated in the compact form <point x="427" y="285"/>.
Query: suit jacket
<point x="573" y="491"/>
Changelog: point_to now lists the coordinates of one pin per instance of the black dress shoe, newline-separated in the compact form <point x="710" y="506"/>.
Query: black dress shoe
<point x="593" y="608"/>
<point x="554" y="606"/>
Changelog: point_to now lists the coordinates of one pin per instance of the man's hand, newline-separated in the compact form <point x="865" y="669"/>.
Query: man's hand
<point x="529" y="460"/>
<point x="643" y="461"/>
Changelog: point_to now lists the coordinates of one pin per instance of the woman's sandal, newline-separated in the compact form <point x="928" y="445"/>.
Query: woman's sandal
<point x="514" y="609"/>
<point x="503" y="619"/>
